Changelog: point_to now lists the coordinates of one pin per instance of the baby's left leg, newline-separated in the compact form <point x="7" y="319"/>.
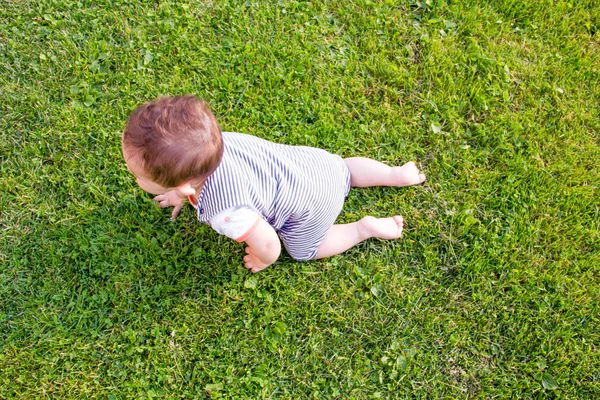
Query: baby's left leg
<point x="342" y="237"/>
<point x="367" y="172"/>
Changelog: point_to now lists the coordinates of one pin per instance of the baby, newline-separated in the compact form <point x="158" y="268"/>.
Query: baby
<point x="253" y="190"/>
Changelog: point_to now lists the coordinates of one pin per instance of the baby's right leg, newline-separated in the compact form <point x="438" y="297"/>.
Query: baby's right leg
<point x="367" y="172"/>
<point x="342" y="237"/>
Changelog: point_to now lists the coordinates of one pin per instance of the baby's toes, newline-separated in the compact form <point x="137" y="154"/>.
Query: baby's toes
<point x="400" y="223"/>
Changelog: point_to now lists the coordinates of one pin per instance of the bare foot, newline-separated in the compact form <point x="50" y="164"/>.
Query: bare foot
<point x="382" y="228"/>
<point x="406" y="175"/>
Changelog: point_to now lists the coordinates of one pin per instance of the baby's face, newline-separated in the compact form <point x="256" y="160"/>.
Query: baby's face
<point x="141" y="178"/>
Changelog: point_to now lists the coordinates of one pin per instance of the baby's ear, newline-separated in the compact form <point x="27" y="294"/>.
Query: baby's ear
<point x="185" y="190"/>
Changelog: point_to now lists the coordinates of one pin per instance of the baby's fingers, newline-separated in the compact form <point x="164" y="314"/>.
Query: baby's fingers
<point x="159" y="198"/>
<point x="248" y="264"/>
<point x="164" y="203"/>
<point x="175" y="212"/>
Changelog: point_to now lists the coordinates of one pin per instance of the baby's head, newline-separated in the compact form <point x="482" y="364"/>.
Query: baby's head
<point x="170" y="142"/>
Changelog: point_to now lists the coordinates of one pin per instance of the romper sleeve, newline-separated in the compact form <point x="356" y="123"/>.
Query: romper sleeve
<point x="236" y="223"/>
<point x="227" y="188"/>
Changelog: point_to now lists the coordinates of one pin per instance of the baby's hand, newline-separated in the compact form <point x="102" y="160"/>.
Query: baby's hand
<point x="173" y="198"/>
<point x="252" y="262"/>
<point x="263" y="247"/>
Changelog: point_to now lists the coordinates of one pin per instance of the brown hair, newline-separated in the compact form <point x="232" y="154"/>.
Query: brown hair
<point x="174" y="140"/>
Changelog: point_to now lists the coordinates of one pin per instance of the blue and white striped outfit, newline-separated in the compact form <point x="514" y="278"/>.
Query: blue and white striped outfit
<point x="298" y="190"/>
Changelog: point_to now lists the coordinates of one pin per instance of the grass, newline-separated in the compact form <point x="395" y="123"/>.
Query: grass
<point x="492" y="292"/>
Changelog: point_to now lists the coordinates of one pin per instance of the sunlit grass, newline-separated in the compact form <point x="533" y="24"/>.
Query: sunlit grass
<point x="492" y="292"/>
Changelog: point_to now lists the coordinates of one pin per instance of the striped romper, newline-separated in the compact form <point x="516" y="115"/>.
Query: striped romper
<point x="298" y="190"/>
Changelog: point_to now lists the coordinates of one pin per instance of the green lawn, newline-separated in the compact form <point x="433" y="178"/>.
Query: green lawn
<point x="493" y="292"/>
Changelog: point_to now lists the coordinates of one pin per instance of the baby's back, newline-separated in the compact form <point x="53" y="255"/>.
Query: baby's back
<point x="279" y="181"/>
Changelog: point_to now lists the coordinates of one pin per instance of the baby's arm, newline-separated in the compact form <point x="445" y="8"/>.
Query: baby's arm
<point x="263" y="248"/>
<point x="243" y="224"/>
